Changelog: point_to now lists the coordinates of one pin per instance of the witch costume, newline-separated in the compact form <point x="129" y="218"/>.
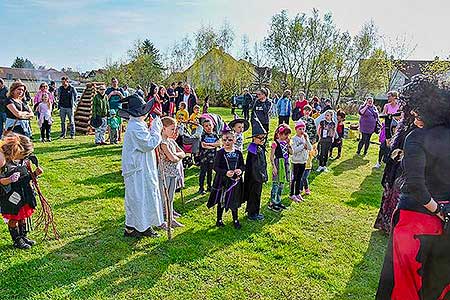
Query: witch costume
<point x="255" y="174"/>
<point x="226" y="192"/>
<point x="416" y="264"/>
<point x="143" y="205"/>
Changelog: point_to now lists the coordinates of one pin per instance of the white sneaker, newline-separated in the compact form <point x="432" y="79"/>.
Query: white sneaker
<point x="325" y="169"/>
<point x="319" y="169"/>
<point x="378" y="165"/>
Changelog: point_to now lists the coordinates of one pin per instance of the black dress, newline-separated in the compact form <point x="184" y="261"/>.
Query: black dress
<point x="227" y="191"/>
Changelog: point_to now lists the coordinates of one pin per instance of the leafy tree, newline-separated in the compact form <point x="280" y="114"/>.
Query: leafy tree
<point x="181" y="55"/>
<point x="22" y="63"/>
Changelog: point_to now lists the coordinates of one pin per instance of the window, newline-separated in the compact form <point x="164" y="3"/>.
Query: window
<point x="9" y="76"/>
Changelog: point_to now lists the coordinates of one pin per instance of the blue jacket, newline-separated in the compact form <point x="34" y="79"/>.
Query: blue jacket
<point x="284" y="107"/>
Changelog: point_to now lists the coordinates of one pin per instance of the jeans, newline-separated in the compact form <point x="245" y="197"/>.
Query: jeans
<point x="113" y="134"/>
<point x="100" y="132"/>
<point x="275" y="193"/>
<point x="2" y="123"/>
<point x="364" y="141"/>
<point x="205" y="171"/>
<point x="69" y="113"/>
<point x="169" y="183"/>
<point x="297" y="173"/>
<point x="45" y="130"/>
<point x="305" y="183"/>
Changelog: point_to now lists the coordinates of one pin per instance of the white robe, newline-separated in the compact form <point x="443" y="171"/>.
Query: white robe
<point x="143" y="206"/>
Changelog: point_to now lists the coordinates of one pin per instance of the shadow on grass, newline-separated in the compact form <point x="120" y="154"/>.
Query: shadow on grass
<point x="349" y="164"/>
<point x="93" y="151"/>
<point x="367" y="194"/>
<point x="105" y="263"/>
<point x="112" y="177"/>
<point x="116" y="191"/>
<point x="367" y="271"/>
<point x="61" y="148"/>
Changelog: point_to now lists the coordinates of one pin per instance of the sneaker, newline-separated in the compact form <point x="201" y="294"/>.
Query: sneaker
<point x="72" y="137"/>
<point x="307" y="192"/>
<point x="319" y="169"/>
<point x="219" y="223"/>
<point x="201" y="192"/>
<point x="281" y="206"/>
<point x="131" y="232"/>
<point x="325" y="169"/>
<point x="252" y="217"/>
<point x="42" y="140"/>
<point x="49" y="139"/>
<point x="260" y="217"/>
<point x="295" y="198"/>
<point x="176" y="214"/>
<point x="377" y="165"/>
<point x="274" y="208"/>
<point x="300" y="198"/>
<point x="62" y="136"/>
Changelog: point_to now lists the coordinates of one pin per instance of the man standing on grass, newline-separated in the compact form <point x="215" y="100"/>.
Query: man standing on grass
<point x="115" y="95"/>
<point x="189" y="98"/>
<point x="246" y="104"/>
<point x="67" y="98"/>
<point x="261" y="109"/>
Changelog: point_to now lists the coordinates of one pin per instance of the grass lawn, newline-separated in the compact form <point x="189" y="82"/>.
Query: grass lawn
<point x="323" y="248"/>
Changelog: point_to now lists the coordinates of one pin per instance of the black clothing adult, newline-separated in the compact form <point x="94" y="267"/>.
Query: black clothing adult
<point x="260" y="111"/>
<point x="327" y="107"/>
<point x="180" y="91"/>
<point x="191" y="102"/>
<point x="67" y="96"/>
<point x="416" y="262"/>
<point x="255" y="176"/>
<point x="364" y="142"/>
<point x="246" y="104"/>
<point x="20" y="106"/>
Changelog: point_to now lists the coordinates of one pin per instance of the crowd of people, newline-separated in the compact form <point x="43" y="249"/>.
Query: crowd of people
<point x="414" y="138"/>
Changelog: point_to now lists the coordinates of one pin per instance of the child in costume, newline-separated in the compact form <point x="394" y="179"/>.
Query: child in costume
<point x="209" y="142"/>
<point x="255" y="172"/>
<point x="301" y="146"/>
<point x="227" y="189"/>
<point x="326" y="131"/>
<point x="143" y="205"/>
<point x="337" y="143"/>
<point x="170" y="156"/>
<point x="17" y="198"/>
<point x="114" y="124"/>
<point x="279" y="157"/>
<point x="239" y="126"/>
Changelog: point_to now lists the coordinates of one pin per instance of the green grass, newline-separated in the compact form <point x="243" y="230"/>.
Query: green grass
<point x="323" y="248"/>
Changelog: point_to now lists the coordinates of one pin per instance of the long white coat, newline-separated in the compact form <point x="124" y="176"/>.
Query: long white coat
<point x="143" y="206"/>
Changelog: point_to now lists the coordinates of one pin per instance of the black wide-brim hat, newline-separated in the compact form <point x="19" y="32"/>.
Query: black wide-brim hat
<point x="135" y="106"/>
<point x="257" y="128"/>
<point x="239" y="120"/>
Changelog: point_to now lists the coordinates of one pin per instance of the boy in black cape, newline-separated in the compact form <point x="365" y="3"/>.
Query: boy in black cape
<point x="255" y="171"/>
<point x="227" y="187"/>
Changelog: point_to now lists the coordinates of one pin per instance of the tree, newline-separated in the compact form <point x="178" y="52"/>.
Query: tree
<point x="225" y="36"/>
<point x="300" y="48"/>
<point x="22" y="63"/>
<point x="372" y="76"/>
<point x="204" y="40"/>
<point x="437" y="68"/>
<point x="181" y="55"/>
<point x="347" y="53"/>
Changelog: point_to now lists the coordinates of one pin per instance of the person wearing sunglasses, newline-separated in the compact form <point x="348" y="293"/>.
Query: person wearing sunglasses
<point x="227" y="188"/>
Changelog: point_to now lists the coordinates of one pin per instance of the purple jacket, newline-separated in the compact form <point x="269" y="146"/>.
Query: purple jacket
<point x="368" y="120"/>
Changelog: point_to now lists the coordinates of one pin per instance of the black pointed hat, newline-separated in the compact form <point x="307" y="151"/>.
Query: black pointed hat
<point x="135" y="106"/>
<point x="257" y="128"/>
<point x="239" y="120"/>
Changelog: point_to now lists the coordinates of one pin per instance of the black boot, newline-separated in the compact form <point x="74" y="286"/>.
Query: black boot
<point x="23" y="232"/>
<point x="19" y="242"/>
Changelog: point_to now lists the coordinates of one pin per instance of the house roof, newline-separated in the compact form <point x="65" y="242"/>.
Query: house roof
<point x="31" y="74"/>
<point x="412" y="67"/>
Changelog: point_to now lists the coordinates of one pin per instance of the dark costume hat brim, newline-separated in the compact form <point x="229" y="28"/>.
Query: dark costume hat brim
<point x="257" y="128"/>
<point x="135" y="106"/>
<point x="244" y="121"/>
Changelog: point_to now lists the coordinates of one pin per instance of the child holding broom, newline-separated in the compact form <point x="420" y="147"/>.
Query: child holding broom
<point x="17" y="198"/>
<point x="170" y="156"/>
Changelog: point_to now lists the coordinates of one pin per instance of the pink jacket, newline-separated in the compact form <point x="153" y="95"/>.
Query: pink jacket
<point x="38" y="97"/>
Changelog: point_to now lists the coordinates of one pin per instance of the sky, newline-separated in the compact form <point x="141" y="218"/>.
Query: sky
<point x="86" y="34"/>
